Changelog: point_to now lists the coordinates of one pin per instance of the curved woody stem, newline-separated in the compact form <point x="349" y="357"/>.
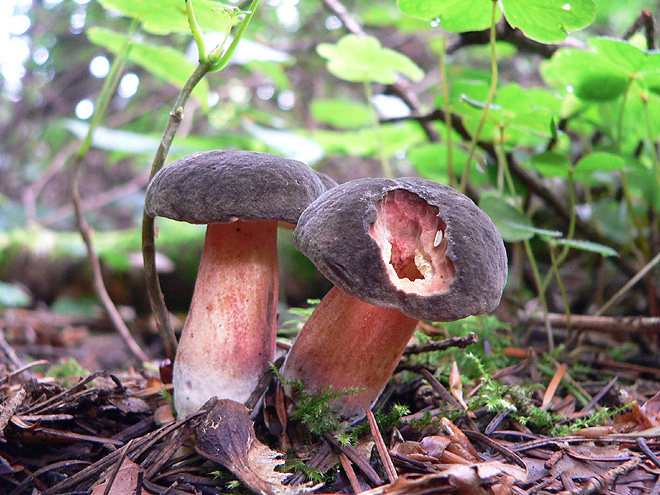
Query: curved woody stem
<point x="208" y="63"/>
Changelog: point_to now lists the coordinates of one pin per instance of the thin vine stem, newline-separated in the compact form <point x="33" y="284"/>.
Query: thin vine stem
<point x="649" y="130"/>
<point x="572" y="201"/>
<point x="489" y="98"/>
<point x="108" y="89"/>
<point x="562" y="290"/>
<point x="503" y="165"/>
<point x="208" y="63"/>
<point x="619" y="125"/>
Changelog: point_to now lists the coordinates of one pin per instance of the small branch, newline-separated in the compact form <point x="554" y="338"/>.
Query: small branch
<point x="514" y="36"/>
<point x="98" y="201"/>
<point x="99" y="285"/>
<point x="385" y="458"/>
<point x="338" y="9"/>
<point x="607" y="324"/>
<point x="212" y="62"/>
<point x="156" y="298"/>
<point x="85" y="231"/>
<point x="355" y="457"/>
<point x="350" y="473"/>
<point x="9" y="409"/>
<point x="636" y="278"/>
<point x="399" y="88"/>
<point x="645" y="21"/>
<point x="440" y="345"/>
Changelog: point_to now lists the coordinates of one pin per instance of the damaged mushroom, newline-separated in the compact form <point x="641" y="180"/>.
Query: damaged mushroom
<point x="398" y="251"/>
<point x="229" y="335"/>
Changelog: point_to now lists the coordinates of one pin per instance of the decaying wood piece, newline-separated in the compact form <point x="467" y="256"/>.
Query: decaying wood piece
<point x="609" y="324"/>
<point x="226" y="436"/>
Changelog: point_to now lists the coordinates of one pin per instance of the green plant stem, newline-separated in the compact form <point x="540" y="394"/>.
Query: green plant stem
<point x="619" y="130"/>
<point x="652" y="148"/>
<point x="503" y="164"/>
<point x="489" y="98"/>
<point x="571" y="229"/>
<point x="384" y="162"/>
<point x="220" y="61"/>
<point x="644" y="244"/>
<point x="196" y="32"/>
<point x="108" y="89"/>
<point x="447" y="110"/>
<point x="214" y="61"/>
<point x="560" y="283"/>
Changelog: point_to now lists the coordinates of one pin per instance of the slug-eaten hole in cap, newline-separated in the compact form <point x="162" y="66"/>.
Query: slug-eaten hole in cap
<point x="413" y="242"/>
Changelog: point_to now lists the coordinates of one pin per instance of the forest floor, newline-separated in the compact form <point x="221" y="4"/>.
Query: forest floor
<point x="570" y="422"/>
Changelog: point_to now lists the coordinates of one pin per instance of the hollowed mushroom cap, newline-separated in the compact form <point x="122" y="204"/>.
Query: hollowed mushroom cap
<point x="411" y="244"/>
<point x="225" y="185"/>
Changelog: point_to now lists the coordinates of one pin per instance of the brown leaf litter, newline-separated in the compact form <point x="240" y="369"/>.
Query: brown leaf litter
<point x="111" y="434"/>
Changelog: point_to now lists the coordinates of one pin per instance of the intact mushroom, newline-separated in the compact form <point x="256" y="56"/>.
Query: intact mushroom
<point x="398" y="251"/>
<point x="229" y="335"/>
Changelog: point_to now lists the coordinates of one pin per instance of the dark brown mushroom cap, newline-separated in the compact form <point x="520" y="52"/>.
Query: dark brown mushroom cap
<point x="334" y="233"/>
<point x="222" y="185"/>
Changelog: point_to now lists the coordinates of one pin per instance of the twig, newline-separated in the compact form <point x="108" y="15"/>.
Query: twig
<point x="601" y="484"/>
<point x="643" y="446"/>
<point x="498" y="447"/>
<point x="31" y="193"/>
<point x="608" y="324"/>
<point x="382" y="449"/>
<point x="207" y="63"/>
<point x="156" y="298"/>
<point x="594" y="400"/>
<point x="440" y="345"/>
<point x="440" y="389"/>
<point x="97" y="201"/>
<point x="9" y="352"/>
<point x="514" y="36"/>
<point x="350" y="473"/>
<point x="97" y="276"/>
<point x="353" y="455"/>
<point x="621" y="292"/>
<point x="113" y="475"/>
<point x="83" y="227"/>
<point x="9" y="409"/>
<point x="399" y="88"/>
<point x="646" y="22"/>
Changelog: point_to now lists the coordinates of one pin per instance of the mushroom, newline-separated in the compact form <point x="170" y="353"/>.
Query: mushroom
<point x="229" y="336"/>
<point x="398" y="251"/>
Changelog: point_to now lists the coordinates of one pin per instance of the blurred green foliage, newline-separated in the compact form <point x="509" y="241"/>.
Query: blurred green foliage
<point x="578" y="117"/>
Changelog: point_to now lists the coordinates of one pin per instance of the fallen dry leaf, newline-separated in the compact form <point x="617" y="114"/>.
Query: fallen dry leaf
<point x="226" y="436"/>
<point x="126" y="480"/>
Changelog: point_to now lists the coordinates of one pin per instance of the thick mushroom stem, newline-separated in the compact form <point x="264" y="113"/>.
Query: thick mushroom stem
<point x="229" y="335"/>
<point x="348" y="343"/>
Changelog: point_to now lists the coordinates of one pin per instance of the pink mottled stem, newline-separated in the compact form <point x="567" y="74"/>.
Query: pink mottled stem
<point x="229" y="335"/>
<point x="349" y="343"/>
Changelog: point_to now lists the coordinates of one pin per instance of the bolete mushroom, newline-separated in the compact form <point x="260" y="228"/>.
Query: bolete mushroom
<point x="398" y="251"/>
<point x="229" y="335"/>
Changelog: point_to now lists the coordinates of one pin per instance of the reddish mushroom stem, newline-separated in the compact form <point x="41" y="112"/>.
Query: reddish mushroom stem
<point x="229" y="335"/>
<point x="349" y="343"/>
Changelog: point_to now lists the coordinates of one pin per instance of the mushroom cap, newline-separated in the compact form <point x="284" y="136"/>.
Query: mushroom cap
<point x="462" y="270"/>
<point x="225" y="185"/>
